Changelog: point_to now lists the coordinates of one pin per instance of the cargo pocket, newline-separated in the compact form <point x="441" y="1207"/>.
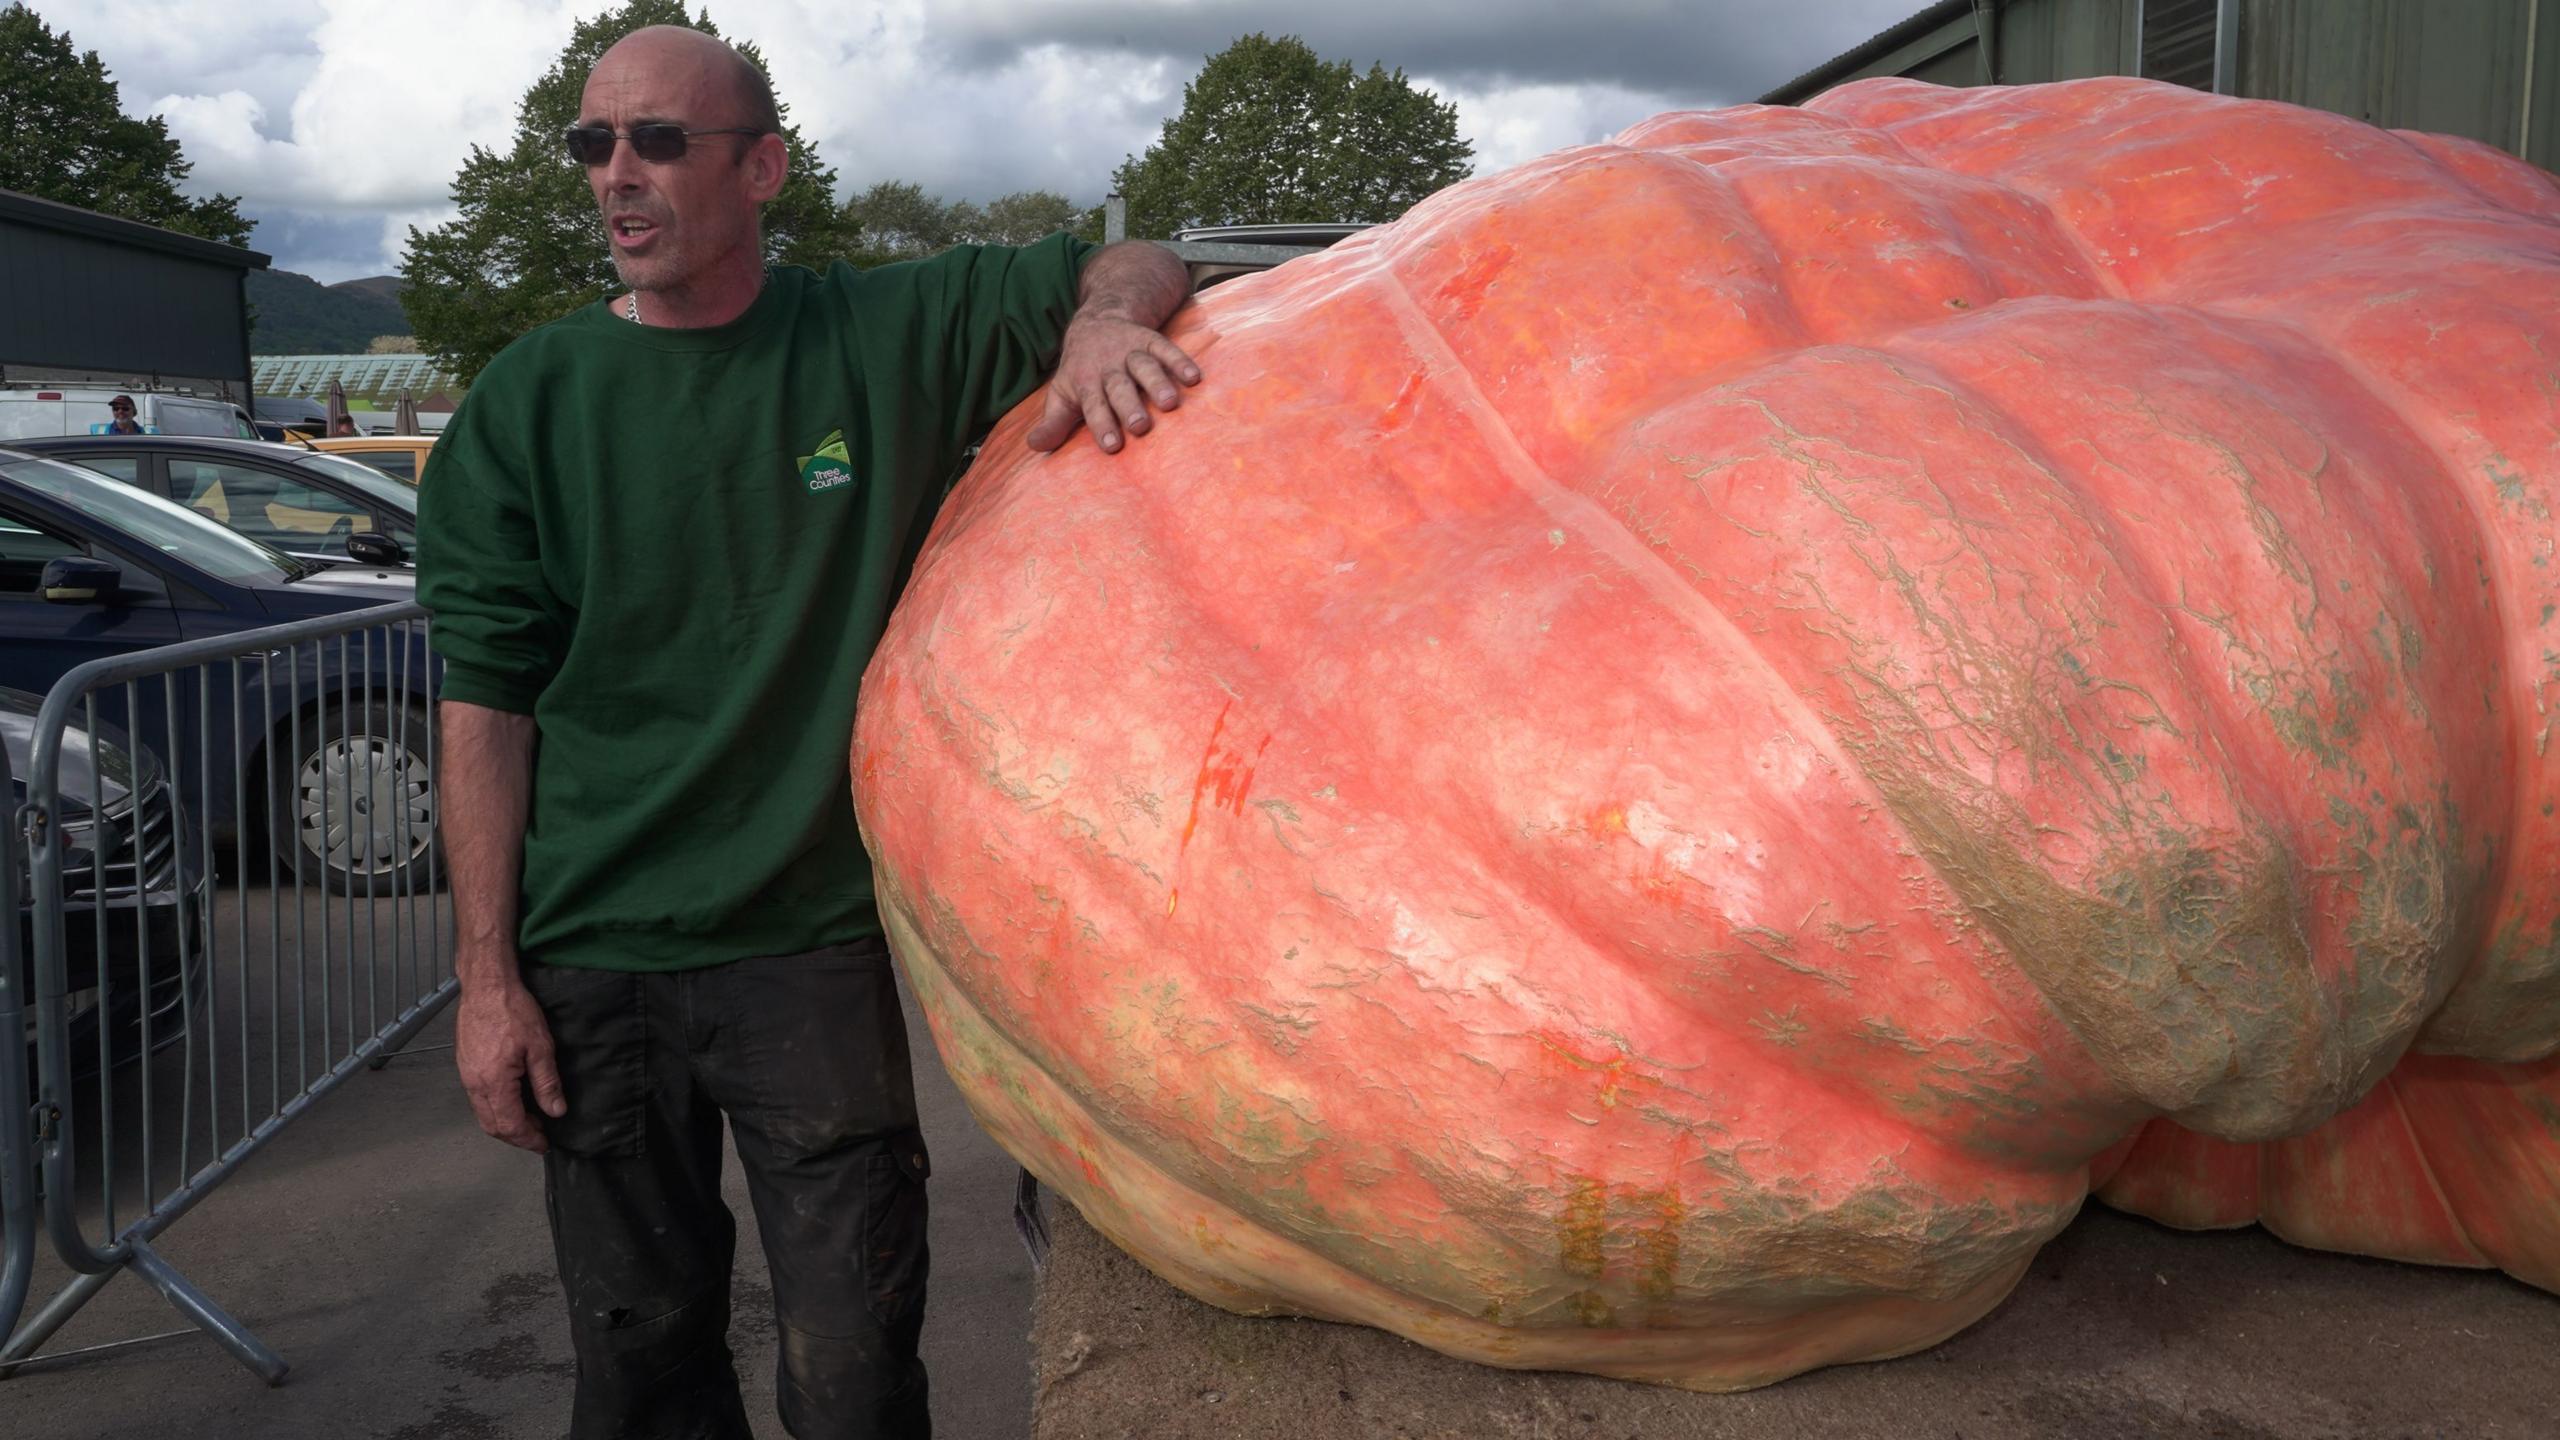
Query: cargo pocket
<point x="894" y="1262"/>
<point x="600" y="1039"/>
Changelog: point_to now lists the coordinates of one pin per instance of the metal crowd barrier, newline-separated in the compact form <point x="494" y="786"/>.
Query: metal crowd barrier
<point x="236" y="902"/>
<point x="18" y="1221"/>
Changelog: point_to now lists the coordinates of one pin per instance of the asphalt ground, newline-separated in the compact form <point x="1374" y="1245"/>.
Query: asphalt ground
<point x="399" y="1260"/>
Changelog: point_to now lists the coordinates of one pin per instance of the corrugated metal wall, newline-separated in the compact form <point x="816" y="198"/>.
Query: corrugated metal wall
<point x="71" y="303"/>
<point x="2488" y="69"/>
<point x="2066" y="39"/>
<point x="2457" y="67"/>
<point x="1959" y="65"/>
<point x="2542" y="127"/>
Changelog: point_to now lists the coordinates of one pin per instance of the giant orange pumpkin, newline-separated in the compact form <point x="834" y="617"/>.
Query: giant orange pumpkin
<point x="1672" y="746"/>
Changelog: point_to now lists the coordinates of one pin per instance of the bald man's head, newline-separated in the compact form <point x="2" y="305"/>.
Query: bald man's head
<point x="745" y="86"/>
<point x="686" y="222"/>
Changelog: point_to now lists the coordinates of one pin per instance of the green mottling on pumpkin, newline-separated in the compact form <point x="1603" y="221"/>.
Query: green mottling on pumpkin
<point x="1582" y="1228"/>
<point x="2298" y="720"/>
<point x="1260" y="1133"/>
<point x="2410" y="880"/>
<point x="2509" y="481"/>
<point x="2127" y="769"/>
<point x="1284" y="1029"/>
<point x="1661" y="1242"/>
<point x="1881" y="1030"/>
<point x="1779" y="1027"/>
<point x="1839" y="935"/>
<point x="2546" y="1109"/>
<point x="2347" y="721"/>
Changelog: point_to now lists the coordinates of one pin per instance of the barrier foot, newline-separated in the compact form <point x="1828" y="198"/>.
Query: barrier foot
<point x="246" y="1348"/>
<point x="66" y="1302"/>
<point x="395" y="1041"/>
<point x="386" y="1057"/>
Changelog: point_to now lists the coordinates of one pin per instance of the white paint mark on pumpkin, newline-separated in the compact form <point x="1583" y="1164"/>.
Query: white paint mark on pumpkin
<point x="1786" y="760"/>
<point x="1726" y="865"/>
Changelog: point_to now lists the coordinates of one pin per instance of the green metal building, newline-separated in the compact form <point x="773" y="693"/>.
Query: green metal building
<point x="90" y="299"/>
<point x="2488" y="69"/>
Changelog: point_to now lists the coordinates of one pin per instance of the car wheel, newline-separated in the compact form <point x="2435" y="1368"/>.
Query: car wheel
<point x="356" y="806"/>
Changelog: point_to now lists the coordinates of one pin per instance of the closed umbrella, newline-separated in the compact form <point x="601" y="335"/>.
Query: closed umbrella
<point x="339" y="418"/>
<point x="404" y="420"/>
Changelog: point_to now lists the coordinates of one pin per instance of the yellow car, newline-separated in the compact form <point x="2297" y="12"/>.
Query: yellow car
<point x="402" y="457"/>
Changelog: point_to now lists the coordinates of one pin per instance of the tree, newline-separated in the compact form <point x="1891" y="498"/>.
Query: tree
<point x="529" y="248"/>
<point x="1270" y="132"/>
<point x="897" y="220"/>
<point x="1025" y="216"/>
<point x="64" y="137"/>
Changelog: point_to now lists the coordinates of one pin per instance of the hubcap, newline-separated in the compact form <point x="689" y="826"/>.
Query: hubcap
<point x="362" y="805"/>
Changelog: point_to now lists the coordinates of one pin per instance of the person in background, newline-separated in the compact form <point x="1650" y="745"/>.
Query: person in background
<point x="665" y="534"/>
<point x="121" y="407"/>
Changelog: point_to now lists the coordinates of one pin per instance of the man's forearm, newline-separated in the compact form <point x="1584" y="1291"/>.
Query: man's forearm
<point x="486" y="775"/>
<point x="1135" y="281"/>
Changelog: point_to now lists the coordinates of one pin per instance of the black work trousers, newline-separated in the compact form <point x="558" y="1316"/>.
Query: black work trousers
<point x="807" y="1057"/>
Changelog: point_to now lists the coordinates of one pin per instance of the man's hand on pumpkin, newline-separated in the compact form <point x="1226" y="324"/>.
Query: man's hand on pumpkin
<point x="1113" y="373"/>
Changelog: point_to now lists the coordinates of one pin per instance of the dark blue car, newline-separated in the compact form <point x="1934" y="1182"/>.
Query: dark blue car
<point x="328" y="742"/>
<point x="136" y="894"/>
<point x="307" y="503"/>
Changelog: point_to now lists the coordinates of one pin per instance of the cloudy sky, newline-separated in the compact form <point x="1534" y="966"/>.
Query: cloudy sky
<point x="340" y="123"/>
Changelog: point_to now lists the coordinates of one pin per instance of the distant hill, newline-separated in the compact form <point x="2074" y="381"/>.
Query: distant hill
<point x="386" y="287"/>
<point x="297" y="315"/>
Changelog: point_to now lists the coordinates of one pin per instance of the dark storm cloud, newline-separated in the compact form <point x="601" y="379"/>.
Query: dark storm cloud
<point x="1701" y="52"/>
<point x="329" y="248"/>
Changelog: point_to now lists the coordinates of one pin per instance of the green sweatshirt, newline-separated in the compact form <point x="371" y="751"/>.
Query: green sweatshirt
<point x="675" y="549"/>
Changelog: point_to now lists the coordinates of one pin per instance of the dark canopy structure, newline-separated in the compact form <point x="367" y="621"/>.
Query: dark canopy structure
<point x="87" y="298"/>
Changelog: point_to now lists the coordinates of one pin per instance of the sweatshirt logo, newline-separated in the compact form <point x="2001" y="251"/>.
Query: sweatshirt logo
<point x="830" y="467"/>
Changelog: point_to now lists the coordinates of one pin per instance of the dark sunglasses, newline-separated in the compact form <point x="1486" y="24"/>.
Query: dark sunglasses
<point x="119" y="409"/>
<point x="658" y="143"/>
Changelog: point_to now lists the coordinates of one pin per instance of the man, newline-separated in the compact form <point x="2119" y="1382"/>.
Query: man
<point x="121" y="407"/>
<point x="664" y="536"/>
<point x="342" y="426"/>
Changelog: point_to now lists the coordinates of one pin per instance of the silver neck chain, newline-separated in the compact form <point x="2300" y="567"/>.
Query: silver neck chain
<point x="762" y="276"/>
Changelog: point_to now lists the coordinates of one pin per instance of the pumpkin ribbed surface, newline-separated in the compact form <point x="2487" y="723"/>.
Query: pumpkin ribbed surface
<point x="1675" y="743"/>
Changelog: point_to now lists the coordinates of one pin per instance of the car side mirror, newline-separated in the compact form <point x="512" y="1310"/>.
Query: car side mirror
<point x="375" y="549"/>
<point x="78" y="580"/>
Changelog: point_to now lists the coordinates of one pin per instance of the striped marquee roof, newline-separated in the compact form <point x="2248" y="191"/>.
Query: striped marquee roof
<point x="309" y="375"/>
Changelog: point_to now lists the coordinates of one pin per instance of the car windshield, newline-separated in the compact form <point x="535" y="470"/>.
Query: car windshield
<point x="149" y="520"/>
<point x="366" y="480"/>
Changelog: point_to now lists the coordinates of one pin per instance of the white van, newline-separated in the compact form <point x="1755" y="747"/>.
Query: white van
<point x="60" y="410"/>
